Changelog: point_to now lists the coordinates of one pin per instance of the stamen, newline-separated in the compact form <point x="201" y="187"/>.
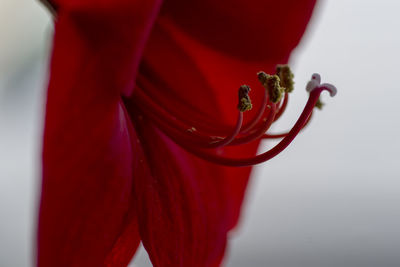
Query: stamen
<point x="286" y="81"/>
<point x="258" y="133"/>
<point x="244" y="99"/>
<point x="227" y="140"/>
<point x="267" y="122"/>
<point x="194" y="141"/>
<point x="286" y="77"/>
<point x="272" y="84"/>
<point x="283" y="106"/>
<point x="281" y="135"/>
<point x="246" y="128"/>
<point x="172" y="125"/>
<point x="239" y="162"/>
<point x="311" y="85"/>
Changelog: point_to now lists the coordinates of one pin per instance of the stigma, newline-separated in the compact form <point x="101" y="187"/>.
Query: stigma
<point x="203" y="142"/>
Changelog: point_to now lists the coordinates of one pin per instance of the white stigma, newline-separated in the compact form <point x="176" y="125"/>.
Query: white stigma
<point x="315" y="82"/>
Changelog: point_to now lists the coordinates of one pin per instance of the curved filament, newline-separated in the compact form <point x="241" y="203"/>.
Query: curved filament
<point x="239" y="162"/>
<point x="281" y="135"/>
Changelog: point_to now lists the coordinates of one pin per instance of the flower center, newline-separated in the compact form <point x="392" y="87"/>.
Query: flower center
<point x="276" y="95"/>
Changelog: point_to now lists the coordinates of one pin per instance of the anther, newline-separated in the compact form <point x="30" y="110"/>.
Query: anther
<point x="272" y="84"/>
<point x="319" y="105"/>
<point x="286" y="77"/>
<point x="244" y="99"/>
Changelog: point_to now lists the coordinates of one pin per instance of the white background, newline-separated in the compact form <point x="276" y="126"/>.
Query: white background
<point x="331" y="199"/>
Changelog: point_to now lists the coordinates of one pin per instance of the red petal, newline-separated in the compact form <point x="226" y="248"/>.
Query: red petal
<point x="86" y="213"/>
<point x="181" y="208"/>
<point x="257" y="30"/>
<point x="187" y="206"/>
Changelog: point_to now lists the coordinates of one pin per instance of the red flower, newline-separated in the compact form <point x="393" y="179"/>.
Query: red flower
<point x="136" y="91"/>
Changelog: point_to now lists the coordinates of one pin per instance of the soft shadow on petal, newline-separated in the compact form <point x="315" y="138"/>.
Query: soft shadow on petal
<point x="181" y="209"/>
<point x="86" y="215"/>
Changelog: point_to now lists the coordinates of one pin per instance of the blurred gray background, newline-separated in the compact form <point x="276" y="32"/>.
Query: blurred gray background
<point x="331" y="199"/>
